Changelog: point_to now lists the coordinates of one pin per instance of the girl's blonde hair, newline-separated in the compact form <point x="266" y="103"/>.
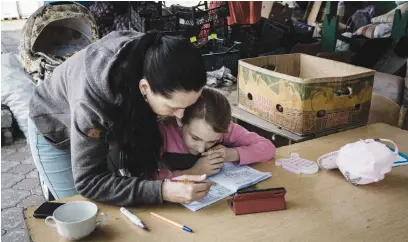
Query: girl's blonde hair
<point x="213" y="107"/>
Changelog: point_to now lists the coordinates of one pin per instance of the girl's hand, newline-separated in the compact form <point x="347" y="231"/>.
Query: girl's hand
<point x="208" y="165"/>
<point x="178" y="192"/>
<point x="228" y="154"/>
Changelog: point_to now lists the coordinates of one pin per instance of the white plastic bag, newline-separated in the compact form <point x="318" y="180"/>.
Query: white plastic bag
<point x="16" y="89"/>
<point x="366" y="161"/>
<point x="362" y="162"/>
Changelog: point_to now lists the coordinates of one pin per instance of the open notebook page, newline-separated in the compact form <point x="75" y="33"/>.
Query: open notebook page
<point x="236" y="177"/>
<point x="230" y="179"/>
<point x="217" y="192"/>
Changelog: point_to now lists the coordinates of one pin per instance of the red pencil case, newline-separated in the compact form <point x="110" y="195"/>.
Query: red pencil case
<point x="258" y="201"/>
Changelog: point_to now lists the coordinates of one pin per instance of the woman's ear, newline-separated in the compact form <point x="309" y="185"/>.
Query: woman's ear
<point x="144" y="86"/>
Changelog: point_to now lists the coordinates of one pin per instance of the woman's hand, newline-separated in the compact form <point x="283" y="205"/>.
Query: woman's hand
<point x="228" y="154"/>
<point x="178" y="192"/>
<point x="208" y="165"/>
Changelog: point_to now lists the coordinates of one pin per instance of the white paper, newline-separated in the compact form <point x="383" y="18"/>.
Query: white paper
<point x="237" y="177"/>
<point x="230" y="179"/>
<point x="216" y="193"/>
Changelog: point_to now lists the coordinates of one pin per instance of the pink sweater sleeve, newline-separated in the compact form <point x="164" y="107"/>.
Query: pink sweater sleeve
<point x="167" y="174"/>
<point x="251" y="147"/>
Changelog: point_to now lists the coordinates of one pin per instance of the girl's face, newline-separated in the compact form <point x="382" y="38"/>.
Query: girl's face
<point x="167" y="107"/>
<point x="199" y="136"/>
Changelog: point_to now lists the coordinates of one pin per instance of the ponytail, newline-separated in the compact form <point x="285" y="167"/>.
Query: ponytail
<point x="135" y="124"/>
<point x="169" y="64"/>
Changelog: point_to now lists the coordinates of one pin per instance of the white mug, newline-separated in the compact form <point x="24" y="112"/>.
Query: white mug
<point x="75" y="220"/>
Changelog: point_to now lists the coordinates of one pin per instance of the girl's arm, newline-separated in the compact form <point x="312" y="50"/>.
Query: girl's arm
<point x="251" y="147"/>
<point x="167" y="174"/>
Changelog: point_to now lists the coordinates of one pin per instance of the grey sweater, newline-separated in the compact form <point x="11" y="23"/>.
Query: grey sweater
<point x="71" y="106"/>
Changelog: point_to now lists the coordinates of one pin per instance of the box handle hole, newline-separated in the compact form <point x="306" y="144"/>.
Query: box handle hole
<point x="279" y="108"/>
<point x="321" y="113"/>
<point x="269" y="67"/>
<point x="250" y="96"/>
<point x="345" y="91"/>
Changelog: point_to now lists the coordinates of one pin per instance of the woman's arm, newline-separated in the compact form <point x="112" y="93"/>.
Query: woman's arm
<point x="92" y="178"/>
<point x="251" y="147"/>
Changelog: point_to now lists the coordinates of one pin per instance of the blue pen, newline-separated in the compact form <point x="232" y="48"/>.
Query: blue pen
<point x="183" y="227"/>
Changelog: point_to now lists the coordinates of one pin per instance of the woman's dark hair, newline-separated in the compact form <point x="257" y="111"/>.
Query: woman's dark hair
<point x="169" y="64"/>
<point x="213" y="107"/>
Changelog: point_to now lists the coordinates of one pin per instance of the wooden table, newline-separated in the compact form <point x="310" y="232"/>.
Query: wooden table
<point x="321" y="207"/>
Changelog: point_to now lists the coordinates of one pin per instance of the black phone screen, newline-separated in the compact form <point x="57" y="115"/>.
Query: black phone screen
<point x="260" y="190"/>
<point x="46" y="209"/>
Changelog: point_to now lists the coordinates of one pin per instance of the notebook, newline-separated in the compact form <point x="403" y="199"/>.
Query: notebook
<point x="228" y="181"/>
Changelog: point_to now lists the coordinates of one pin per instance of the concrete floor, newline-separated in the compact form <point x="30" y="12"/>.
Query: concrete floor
<point x="20" y="187"/>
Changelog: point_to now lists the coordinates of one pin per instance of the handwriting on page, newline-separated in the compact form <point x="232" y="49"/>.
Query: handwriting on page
<point x="233" y="177"/>
<point x="216" y="193"/>
<point x="228" y="181"/>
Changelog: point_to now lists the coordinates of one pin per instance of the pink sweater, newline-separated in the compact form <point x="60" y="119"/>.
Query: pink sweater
<point x="251" y="147"/>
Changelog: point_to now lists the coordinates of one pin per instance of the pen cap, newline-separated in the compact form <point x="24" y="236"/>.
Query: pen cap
<point x="127" y="213"/>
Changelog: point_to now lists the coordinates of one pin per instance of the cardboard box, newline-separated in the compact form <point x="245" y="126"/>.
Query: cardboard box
<point x="305" y="94"/>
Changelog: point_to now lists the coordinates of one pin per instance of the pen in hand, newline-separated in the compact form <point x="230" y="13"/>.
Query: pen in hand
<point x="190" y="182"/>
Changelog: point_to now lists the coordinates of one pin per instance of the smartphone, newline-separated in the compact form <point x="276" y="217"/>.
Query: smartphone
<point x="260" y="190"/>
<point x="46" y="209"/>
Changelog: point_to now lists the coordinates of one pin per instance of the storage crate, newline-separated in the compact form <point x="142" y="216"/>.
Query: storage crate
<point x="218" y="53"/>
<point x="303" y="32"/>
<point x="274" y="36"/>
<point x="305" y="94"/>
<point x="200" y="17"/>
<point x="147" y="8"/>
<point x="162" y="23"/>
<point x="140" y="11"/>
<point x="207" y="31"/>
<point x="249" y="36"/>
<point x="148" y="16"/>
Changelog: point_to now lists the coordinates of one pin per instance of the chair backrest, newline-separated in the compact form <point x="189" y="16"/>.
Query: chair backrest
<point x="383" y="110"/>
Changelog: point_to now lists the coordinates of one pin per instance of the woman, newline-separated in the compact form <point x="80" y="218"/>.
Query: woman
<point x="107" y="97"/>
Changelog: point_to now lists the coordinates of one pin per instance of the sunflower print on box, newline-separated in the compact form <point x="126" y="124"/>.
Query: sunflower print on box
<point x="304" y="108"/>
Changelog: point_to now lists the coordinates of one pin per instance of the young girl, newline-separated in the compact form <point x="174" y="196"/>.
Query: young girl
<point x="206" y="138"/>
